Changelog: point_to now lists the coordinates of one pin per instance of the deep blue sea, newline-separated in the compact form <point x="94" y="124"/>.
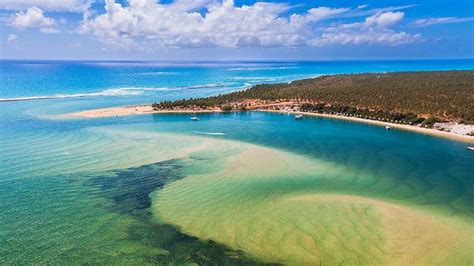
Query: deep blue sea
<point x="73" y="79"/>
<point x="235" y="188"/>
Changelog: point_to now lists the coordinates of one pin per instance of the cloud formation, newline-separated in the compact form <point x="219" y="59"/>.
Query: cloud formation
<point x="33" y="17"/>
<point x="47" y="5"/>
<point x="179" y="24"/>
<point x="12" y="38"/>
<point x="384" y="20"/>
<point x="443" y="20"/>
<point x="376" y="29"/>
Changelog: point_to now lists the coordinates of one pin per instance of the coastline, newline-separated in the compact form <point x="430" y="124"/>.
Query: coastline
<point x="147" y="109"/>
<point x="426" y="131"/>
<point x="125" y="111"/>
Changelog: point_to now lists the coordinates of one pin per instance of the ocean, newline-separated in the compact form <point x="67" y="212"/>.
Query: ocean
<point x="232" y="188"/>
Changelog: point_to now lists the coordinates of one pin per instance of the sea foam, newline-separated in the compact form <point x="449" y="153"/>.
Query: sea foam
<point x="127" y="91"/>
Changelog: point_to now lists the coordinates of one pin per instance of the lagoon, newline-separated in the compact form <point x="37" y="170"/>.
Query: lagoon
<point x="235" y="188"/>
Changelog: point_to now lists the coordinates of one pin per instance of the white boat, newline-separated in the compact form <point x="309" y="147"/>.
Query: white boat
<point x="195" y="118"/>
<point x="298" y="117"/>
<point x="387" y="128"/>
<point x="470" y="147"/>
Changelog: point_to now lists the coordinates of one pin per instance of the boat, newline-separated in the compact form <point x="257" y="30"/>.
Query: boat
<point x="298" y="117"/>
<point x="195" y="118"/>
<point x="387" y="128"/>
<point x="470" y="147"/>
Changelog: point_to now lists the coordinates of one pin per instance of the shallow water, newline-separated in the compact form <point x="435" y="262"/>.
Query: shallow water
<point x="284" y="207"/>
<point x="236" y="188"/>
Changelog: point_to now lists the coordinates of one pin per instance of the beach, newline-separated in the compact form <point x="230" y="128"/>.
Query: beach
<point x="147" y="109"/>
<point x="380" y="193"/>
<point x="124" y="111"/>
<point x="428" y="131"/>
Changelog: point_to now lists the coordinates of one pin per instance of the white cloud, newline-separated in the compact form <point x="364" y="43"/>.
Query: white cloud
<point x="223" y="25"/>
<point x="366" y="36"/>
<point x="32" y="18"/>
<point x="49" y="30"/>
<point x="374" y="30"/>
<point x="362" y="6"/>
<point x="47" y="5"/>
<point x="12" y="38"/>
<point x="443" y="20"/>
<point x="188" y="5"/>
<point x="385" y="20"/>
<point x="146" y="23"/>
<point x="321" y="13"/>
<point x="360" y="12"/>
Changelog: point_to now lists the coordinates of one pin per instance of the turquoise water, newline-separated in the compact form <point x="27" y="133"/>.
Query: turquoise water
<point x="82" y="190"/>
<point x="37" y="79"/>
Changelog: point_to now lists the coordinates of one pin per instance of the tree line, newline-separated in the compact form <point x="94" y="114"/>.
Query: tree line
<point x="441" y="95"/>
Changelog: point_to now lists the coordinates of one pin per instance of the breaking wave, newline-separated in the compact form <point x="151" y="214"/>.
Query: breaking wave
<point x="209" y="133"/>
<point x="259" y="68"/>
<point x="158" y="73"/>
<point x="128" y="91"/>
<point x="108" y="92"/>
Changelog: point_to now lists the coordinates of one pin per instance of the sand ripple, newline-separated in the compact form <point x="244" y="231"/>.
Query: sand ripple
<point x="282" y="207"/>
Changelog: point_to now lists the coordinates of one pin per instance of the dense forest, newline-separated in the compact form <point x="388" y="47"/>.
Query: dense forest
<point x="440" y="95"/>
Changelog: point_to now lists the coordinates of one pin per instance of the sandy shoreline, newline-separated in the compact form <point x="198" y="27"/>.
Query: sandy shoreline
<point x="125" y="111"/>
<point x="426" y="131"/>
<point x="147" y="109"/>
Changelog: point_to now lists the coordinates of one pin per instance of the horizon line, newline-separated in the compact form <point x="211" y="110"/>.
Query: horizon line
<point x="237" y="60"/>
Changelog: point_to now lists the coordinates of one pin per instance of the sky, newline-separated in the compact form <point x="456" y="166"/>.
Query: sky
<point x="236" y="30"/>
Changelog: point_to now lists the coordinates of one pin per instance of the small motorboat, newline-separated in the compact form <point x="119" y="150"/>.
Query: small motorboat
<point x="387" y="128"/>
<point x="470" y="147"/>
<point x="299" y="117"/>
<point x="195" y="118"/>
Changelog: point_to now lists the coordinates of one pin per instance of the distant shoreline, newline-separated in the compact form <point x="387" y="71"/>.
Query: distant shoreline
<point x="426" y="131"/>
<point x="125" y="111"/>
<point x="147" y="109"/>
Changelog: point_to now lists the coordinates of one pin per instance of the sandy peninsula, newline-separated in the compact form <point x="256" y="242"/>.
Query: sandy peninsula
<point x="454" y="134"/>
<point x="126" y="111"/>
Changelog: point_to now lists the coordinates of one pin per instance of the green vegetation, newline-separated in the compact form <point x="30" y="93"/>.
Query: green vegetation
<point x="226" y="108"/>
<point x="395" y="117"/>
<point x="402" y="96"/>
<point x="430" y="121"/>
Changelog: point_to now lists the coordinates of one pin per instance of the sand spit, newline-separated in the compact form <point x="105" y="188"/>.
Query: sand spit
<point x="125" y="111"/>
<point x="457" y="132"/>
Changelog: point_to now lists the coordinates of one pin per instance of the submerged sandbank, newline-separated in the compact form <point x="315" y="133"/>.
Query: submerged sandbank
<point x="283" y="207"/>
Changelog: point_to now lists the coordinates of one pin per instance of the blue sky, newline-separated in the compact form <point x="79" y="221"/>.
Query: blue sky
<point x="240" y="30"/>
